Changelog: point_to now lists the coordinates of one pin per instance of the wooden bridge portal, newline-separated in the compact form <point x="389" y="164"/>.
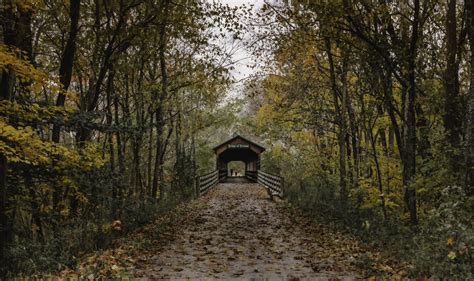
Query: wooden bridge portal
<point x="239" y="148"/>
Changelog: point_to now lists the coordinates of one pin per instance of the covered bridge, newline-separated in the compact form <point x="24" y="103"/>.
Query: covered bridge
<point x="238" y="148"/>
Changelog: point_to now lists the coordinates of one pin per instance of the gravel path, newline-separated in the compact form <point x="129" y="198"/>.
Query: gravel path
<point x="239" y="234"/>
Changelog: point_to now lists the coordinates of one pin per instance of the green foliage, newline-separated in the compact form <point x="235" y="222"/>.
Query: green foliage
<point x="447" y="236"/>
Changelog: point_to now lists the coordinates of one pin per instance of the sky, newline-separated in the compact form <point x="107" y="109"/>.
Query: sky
<point x="242" y="57"/>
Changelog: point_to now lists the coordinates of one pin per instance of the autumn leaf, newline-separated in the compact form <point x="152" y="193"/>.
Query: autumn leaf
<point x="450" y="241"/>
<point x="117" y="225"/>
<point x="452" y="255"/>
<point x="463" y="249"/>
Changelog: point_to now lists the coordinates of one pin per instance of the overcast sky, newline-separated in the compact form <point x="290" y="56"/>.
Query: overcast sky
<point x="241" y="56"/>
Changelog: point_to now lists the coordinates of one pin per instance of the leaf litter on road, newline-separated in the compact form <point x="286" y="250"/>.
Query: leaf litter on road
<point x="236" y="232"/>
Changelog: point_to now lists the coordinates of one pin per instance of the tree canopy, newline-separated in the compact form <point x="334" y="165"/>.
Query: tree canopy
<point x="109" y="110"/>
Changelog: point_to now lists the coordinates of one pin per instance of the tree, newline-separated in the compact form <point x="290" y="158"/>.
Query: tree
<point x="470" y="104"/>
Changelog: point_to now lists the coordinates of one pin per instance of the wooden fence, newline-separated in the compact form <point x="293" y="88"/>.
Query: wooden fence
<point x="205" y="182"/>
<point x="273" y="183"/>
<point x="251" y="175"/>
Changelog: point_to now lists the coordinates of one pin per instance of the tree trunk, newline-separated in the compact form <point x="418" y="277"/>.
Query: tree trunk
<point x="65" y="74"/>
<point x="469" y="168"/>
<point x="158" y="175"/>
<point x="118" y="135"/>
<point x="409" y="159"/>
<point x="67" y="61"/>
<point x="150" y="159"/>
<point x="156" y="186"/>
<point x="340" y="120"/>
<point x="354" y="140"/>
<point x="452" y="114"/>
<point x="379" y="173"/>
<point x="109" y="136"/>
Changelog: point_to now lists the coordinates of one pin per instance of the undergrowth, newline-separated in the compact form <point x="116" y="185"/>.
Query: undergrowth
<point x="440" y="247"/>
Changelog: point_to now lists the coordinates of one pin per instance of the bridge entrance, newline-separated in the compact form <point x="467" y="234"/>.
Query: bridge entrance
<point x="240" y="149"/>
<point x="234" y="150"/>
<point x="236" y="169"/>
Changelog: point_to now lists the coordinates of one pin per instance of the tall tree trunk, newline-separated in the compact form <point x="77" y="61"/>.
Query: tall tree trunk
<point x="394" y="133"/>
<point x="157" y="189"/>
<point x="158" y="174"/>
<point x="452" y="115"/>
<point x="409" y="159"/>
<point x="118" y="135"/>
<point x="340" y="120"/>
<point x="150" y="158"/>
<point x="193" y="153"/>
<point x="378" y="171"/>
<point x="137" y="137"/>
<point x="469" y="166"/>
<point x="65" y="74"/>
<point x="452" y="105"/>
<point x="109" y="136"/>
<point x="354" y="139"/>
<point x="179" y="164"/>
<point x="5" y="94"/>
<point x="67" y="60"/>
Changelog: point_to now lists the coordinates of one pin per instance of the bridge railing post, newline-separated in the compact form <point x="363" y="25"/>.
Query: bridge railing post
<point x="273" y="184"/>
<point x="282" y="187"/>
<point x="197" y="186"/>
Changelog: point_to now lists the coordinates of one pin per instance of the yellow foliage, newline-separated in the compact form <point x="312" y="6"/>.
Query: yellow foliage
<point x="23" y="145"/>
<point x="450" y="241"/>
<point x="15" y="60"/>
<point x="33" y="112"/>
<point x="383" y="122"/>
<point x="451" y="255"/>
<point x="23" y="5"/>
<point x="19" y="142"/>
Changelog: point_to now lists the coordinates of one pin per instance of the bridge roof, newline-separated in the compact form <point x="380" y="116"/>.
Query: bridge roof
<point x="237" y="136"/>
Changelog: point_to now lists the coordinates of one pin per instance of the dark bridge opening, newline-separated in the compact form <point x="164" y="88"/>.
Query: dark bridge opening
<point x="241" y="149"/>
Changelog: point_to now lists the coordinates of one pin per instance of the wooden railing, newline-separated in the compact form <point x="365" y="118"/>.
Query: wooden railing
<point x="222" y="175"/>
<point x="273" y="184"/>
<point x="251" y="175"/>
<point x="205" y="182"/>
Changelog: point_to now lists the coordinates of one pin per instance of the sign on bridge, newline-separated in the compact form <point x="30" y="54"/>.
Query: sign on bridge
<point x="238" y="146"/>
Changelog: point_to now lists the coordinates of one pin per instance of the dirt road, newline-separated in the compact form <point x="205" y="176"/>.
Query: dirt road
<point x="240" y="234"/>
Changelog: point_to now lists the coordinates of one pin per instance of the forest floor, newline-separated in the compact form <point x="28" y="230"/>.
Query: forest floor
<point x="236" y="232"/>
